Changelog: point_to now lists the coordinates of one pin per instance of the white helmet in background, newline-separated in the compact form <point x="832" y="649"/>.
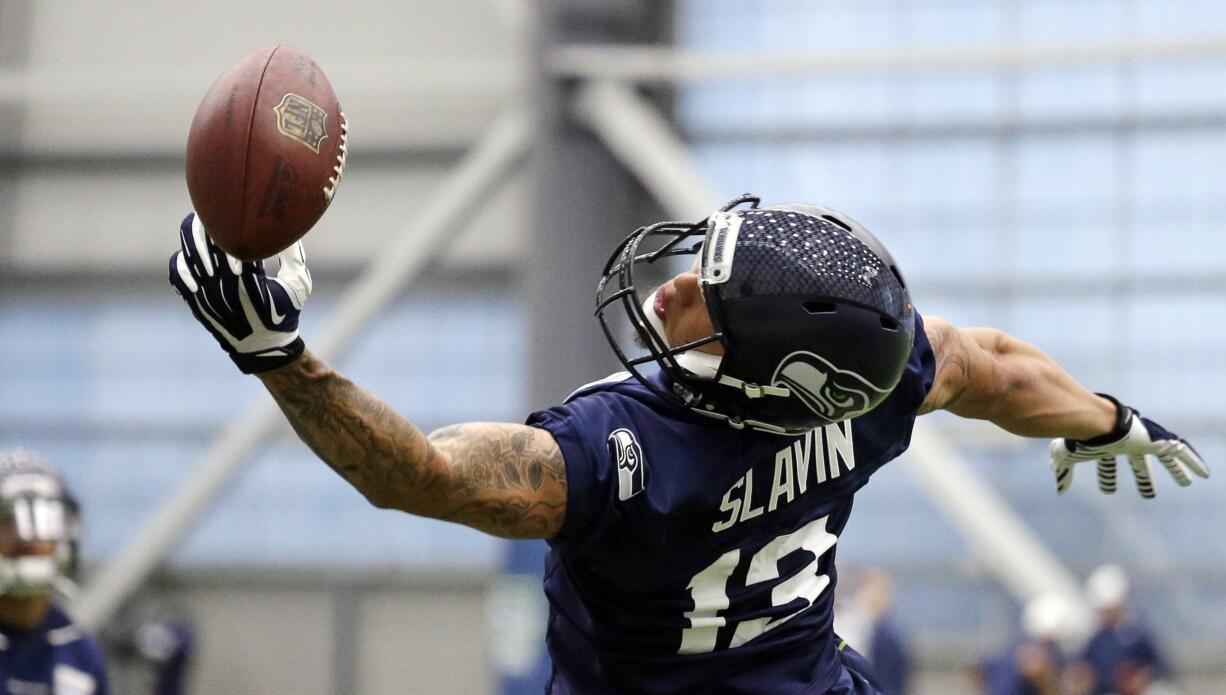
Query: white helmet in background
<point x="38" y="525"/>
<point x="1107" y="587"/>
<point x="1051" y="617"/>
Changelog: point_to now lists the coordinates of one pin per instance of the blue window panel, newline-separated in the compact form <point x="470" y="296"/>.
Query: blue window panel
<point x="1166" y="18"/>
<point x="942" y="24"/>
<point x="946" y="176"/>
<point x="1065" y="91"/>
<point x="845" y="100"/>
<point x="724" y="105"/>
<point x="960" y="310"/>
<point x="1168" y="86"/>
<point x="1182" y="242"/>
<point x="711" y="23"/>
<point x="291" y="510"/>
<point x="1066" y="242"/>
<point x="968" y="95"/>
<point x="1188" y="325"/>
<point x="847" y="177"/>
<point x="939" y="244"/>
<point x="184" y="376"/>
<point x="822" y="26"/>
<point x="1178" y="173"/>
<point x="1058" y="20"/>
<point x="736" y="169"/>
<point x="1070" y="328"/>
<point x="1076" y="169"/>
<point x="43" y="371"/>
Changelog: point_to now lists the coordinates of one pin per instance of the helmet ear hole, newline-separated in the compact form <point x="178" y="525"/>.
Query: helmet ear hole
<point x="889" y="324"/>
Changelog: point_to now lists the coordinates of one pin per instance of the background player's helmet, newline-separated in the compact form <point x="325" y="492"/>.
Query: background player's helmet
<point x="35" y="507"/>
<point x="813" y="314"/>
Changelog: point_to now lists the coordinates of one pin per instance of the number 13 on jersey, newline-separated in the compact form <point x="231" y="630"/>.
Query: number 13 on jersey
<point x="709" y="588"/>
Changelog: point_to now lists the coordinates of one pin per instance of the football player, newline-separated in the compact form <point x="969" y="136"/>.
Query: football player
<point x="41" y="651"/>
<point x="692" y="510"/>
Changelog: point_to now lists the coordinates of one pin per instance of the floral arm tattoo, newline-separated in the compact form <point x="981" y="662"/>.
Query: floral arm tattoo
<point x="504" y="479"/>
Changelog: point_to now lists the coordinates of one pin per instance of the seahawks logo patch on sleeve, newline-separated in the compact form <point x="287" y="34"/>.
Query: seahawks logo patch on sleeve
<point x="834" y="394"/>
<point x="631" y="468"/>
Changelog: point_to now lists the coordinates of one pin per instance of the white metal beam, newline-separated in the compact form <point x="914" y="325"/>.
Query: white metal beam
<point x="655" y="64"/>
<point x="423" y="239"/>
<point x="640" y="137"/>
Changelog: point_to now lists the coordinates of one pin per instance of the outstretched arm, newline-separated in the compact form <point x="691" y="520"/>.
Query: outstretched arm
<point x="505" y="479"/>
<point x="989" y="375"/>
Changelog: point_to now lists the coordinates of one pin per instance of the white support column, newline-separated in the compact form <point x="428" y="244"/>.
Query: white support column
<point x="422" y="241"/>
<point x="641" y="138"/>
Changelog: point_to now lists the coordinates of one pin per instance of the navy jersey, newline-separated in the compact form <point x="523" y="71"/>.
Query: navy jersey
<point x="699" y="558"/>
<point x="56" y="659"/>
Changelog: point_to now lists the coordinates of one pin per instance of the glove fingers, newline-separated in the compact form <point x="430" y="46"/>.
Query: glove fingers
<point x="191" y="252"/>
<point x="293" y="274"/>
<point x="1064" y="476"/>
<point x="1061" y="465"/>
<point x="1192" y="460"/>
<point x="183" y="282"/>
<point x="181" y="277"/>
<point x="1177" y="470"/>
<point x="1106" y="474"/>
<point x="1145" y="479"/>
<point x="201" y="246"/>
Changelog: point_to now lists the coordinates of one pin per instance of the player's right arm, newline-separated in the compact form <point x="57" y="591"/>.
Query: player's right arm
<point x="505" y="479"/>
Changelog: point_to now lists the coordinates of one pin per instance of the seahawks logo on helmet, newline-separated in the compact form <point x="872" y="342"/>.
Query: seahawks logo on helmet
<point x="832" y="393"/>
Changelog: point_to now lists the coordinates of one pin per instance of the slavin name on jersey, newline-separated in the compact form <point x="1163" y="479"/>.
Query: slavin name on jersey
<point x="826" y="451"/>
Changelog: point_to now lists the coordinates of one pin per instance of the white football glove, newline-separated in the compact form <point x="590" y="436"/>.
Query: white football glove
<point x="1135" y="437"/>
<point x="254" y="317"/>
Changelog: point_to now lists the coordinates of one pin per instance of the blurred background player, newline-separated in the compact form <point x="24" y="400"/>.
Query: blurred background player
<point x="1033" y="664"/>
<point x="867" y="620"/>
<point x="1123" y="655"/>
<point x="41" y="651"/>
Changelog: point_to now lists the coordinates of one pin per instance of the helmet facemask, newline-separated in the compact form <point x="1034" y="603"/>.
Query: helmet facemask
<point x="813" y="332"/>
<point x="38" y="527"/>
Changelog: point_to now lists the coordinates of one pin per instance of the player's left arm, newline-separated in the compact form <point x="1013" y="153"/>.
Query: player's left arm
<point x="986" y="374"/>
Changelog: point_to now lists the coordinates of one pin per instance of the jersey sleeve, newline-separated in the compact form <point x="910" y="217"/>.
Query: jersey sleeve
<point x="81" y="669"/>
<point x="920" y="372"/>
<point x="580" y="426"/>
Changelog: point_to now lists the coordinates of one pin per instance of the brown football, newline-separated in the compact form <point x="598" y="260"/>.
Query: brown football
<point x="266" y="152"/>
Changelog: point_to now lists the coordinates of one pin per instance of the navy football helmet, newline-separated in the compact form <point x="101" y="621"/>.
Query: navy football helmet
<point x="35" y="509"/>
<point x="814" y="317"/>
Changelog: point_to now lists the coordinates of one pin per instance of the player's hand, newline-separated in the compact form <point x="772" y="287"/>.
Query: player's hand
<point x="253" y="316"/>
<point x="1136" y="438"/>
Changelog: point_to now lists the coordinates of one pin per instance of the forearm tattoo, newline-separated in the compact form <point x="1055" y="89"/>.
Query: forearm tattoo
<point x="512" y="478"/>
<point x="508" y="480"/>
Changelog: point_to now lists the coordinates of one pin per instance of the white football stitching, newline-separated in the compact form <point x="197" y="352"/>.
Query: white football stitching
<point x="339" y="169"/>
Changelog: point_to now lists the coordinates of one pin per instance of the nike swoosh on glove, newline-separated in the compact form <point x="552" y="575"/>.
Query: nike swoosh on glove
<point x="254" y="317"/>
<point x="1137" y="438"/>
